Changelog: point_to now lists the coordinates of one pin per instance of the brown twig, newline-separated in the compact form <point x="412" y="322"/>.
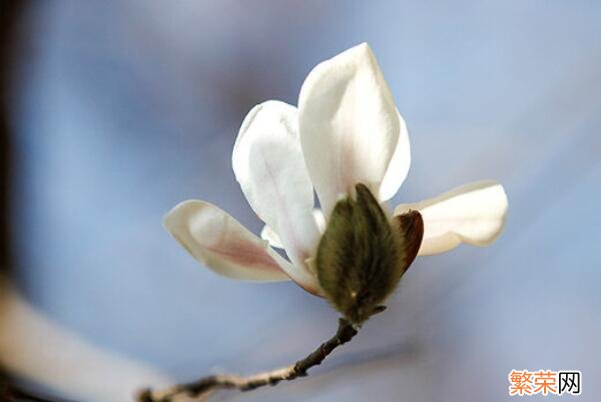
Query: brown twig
<point x="13" y="393"/>
<point x="202" y="387"/>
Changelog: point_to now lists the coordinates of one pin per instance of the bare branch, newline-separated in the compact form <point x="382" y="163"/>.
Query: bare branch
<point x="202" y="387"/>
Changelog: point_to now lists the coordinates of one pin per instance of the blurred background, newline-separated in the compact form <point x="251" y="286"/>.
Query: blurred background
<point x="113" y="112"/>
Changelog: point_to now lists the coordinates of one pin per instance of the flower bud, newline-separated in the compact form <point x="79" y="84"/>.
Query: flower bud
<point x="362" y="254"/>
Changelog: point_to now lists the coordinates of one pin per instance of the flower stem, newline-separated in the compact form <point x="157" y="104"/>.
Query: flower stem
<point x="202" y="387"/>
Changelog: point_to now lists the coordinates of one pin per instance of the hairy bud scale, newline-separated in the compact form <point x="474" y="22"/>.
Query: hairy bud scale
<point x="362" y="254"/>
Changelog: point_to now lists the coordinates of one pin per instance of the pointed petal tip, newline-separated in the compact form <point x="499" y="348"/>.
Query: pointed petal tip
<point x="362" y="47"/>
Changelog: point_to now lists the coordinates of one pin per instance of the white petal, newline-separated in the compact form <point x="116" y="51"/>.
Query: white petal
<point x="221" y="243"/>
<point x="270" y="168"/>
<point x="348" y="123"/>
<point x="274" y="240"/>
<point x="399" y="164"/>
<point x="271" y="236"/>
<point x="473" y="213"/>
<point x="320" y="219"/>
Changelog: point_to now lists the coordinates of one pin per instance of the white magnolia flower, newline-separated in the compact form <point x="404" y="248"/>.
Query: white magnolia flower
<point x="346" y="130"/>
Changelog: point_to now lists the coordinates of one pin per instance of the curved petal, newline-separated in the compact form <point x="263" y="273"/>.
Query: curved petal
<point x="274" y="240"/>
<point x="269" y="165"/>
<point x="474" y="214"/>
<point x="220" y="242"/>
<point x="399" y="164"/>
<point x="348" y="123"/>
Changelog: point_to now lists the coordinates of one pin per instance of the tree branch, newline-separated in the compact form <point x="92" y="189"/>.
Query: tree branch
<point x="202" y="387"/>
<point x="13" y="393"/>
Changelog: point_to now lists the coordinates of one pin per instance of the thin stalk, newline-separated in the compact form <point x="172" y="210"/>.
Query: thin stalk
<point x="206" y="385"/>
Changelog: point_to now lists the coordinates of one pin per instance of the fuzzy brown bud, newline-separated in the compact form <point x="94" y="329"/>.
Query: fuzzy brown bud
<point x="362" y="254"/>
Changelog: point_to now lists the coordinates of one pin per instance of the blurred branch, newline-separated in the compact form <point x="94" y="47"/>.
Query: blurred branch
<point x="13" y="393"/>
<point x="204" y="386"/>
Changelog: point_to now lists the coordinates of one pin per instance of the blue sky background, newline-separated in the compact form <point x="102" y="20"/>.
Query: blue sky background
<point x="124" y="109"/>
